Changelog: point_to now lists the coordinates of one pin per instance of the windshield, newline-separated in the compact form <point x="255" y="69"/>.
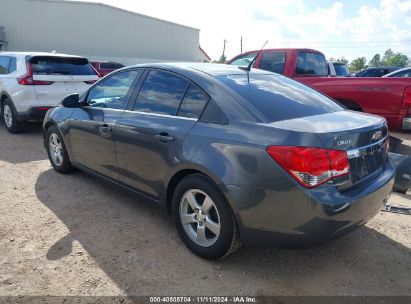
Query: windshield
<point x="279" y="98"/>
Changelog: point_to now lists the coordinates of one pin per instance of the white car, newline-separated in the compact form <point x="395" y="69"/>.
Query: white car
<point x="405" y="72"/>
<point x="32" y="83"/>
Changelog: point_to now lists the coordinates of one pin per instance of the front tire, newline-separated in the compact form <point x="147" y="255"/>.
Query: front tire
<point x="13" y="125"/>
<point x="57" y="151"/>
<point x="203" y="218"/>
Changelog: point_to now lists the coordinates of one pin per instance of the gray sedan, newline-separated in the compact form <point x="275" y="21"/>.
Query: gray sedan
<point x="236" y="156"/>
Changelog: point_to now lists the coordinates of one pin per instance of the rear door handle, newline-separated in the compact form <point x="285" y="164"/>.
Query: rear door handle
<point x="105" y="128"/>
<point x="164" y="137"/>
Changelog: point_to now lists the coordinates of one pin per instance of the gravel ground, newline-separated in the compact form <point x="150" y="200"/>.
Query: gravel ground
<point x="74" y="235"/>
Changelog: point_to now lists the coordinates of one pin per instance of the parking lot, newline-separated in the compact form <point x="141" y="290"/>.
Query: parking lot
<point x="74" y="235"/>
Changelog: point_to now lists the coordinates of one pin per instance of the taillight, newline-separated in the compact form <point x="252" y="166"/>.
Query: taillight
<point x="406" y="98"/>
<point x="28" y="78"/>
<point x="310" y="167"/>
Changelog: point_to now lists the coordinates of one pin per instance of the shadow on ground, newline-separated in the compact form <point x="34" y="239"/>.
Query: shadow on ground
<point x="23" y="147"/>
<point x="135" y="244"/>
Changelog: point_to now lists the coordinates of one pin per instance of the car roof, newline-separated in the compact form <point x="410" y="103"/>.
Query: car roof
<point x="213" y="69"/>
<point x="22" y="54"/>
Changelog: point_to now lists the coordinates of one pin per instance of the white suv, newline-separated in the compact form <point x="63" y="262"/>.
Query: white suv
<point x="32" y="83"/>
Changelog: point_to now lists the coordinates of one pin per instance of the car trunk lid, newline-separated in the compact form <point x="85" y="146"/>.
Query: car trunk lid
<point x="363" y="136"/>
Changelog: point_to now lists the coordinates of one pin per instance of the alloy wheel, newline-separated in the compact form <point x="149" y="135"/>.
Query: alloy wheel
<point x="200" y="218"/>
<point x="56" y="149"/>
<point x="8" y="116"/>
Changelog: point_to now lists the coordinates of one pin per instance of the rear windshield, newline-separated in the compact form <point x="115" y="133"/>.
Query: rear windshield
<point x="311" y="64"/>
<point x="341" y="69"/>
<point x="43" y="65"/>
<point x="279" y="98"/>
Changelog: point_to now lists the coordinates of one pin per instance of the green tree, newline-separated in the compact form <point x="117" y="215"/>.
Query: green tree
<point x="342" y="60"/>
<point x="222" y="59"/>
<point x="387" y="56"/>
<point x="358" y="64"/>
<point x="375" y="61"/>
<point x="398" y="60"/>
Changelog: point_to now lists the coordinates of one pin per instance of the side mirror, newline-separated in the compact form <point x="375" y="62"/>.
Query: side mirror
<point x="71" y="101"/>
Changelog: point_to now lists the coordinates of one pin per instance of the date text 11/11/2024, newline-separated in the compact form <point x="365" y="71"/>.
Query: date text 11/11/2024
<point x="203" y="299"/>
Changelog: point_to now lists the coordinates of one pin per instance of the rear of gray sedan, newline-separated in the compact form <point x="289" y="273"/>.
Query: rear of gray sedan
<point x="299" y="169"/>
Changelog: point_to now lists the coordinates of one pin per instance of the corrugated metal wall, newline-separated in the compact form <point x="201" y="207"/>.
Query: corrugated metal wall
<point x="94" y="30"/>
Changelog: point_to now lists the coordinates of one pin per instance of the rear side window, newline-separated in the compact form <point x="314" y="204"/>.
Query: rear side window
<point x="310" y="64"/>
<point x="244" y="60"/>
<point x="43" y="65"/>
<point x="4" y="64"/>
<point x="273" y="62"/>
<point x="279" y="98"/>
<point x="111" y="65"/>
<point x="193" y="103"/>
<point x="161" y="93"/>
<point x="13" y="65"/>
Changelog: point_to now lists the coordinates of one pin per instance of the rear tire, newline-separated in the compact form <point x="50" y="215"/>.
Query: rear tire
<point x="203" y="218"/>
<point x="13" y="125"/>
<point x="57" y="151"/>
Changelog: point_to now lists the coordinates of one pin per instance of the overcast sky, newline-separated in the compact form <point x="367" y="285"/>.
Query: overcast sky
<point x="337" y="28"/>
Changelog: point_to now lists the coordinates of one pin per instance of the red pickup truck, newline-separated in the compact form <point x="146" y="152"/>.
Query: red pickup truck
<point x="387" y="97"/>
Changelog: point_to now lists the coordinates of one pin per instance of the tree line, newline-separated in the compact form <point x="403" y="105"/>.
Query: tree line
<point x="388" y="59"/>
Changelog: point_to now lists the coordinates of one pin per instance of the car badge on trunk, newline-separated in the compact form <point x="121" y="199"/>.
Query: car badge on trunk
<point x="377" y="135"/>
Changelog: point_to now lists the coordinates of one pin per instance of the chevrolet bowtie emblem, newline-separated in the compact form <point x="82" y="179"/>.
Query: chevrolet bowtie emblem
<point x="377" y="135"/>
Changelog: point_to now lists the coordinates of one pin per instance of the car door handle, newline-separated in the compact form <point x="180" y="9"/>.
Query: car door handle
<point x="164" y="137"/>
<point x="105" y="128"/>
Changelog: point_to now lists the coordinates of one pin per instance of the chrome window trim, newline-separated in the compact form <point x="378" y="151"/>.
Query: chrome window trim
<point x="144" y="113"/>
<point x="162" y="115"/>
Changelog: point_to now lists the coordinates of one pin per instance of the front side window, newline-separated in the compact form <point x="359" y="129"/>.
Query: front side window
<point x="193" y="103"/>
<point x="244" y="60"/>
<point x="4" y="64"/>
<point x="112" y="92"/>
<point x="311" y="64"/>
<point x="273" y="62"/>
<point x="161" y="93"/>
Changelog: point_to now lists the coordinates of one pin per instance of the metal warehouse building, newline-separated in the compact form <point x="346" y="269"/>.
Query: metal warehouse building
<point x="96" y="31"/>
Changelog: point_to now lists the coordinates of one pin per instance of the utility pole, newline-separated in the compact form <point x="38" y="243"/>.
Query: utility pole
<point x="225" y="41"/>
<point x="241" y="44"/>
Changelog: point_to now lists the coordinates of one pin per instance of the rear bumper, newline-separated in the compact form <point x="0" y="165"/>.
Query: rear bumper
<point x="298" y="217"/>
<point x="34" y="113"/>
<point x="406" y="123"/>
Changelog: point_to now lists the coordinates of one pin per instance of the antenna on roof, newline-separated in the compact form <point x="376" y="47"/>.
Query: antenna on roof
<point x="248" y="68"/>
<point x="53" y="51"/>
